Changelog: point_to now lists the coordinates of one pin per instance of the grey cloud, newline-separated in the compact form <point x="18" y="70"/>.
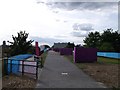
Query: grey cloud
<point x="55" y="11"/>
<point x="82" y="5"/>
<point x="83" y="27"/>
<point x="57" y="20"/>
<point x="45" y="40"/>
<point x="61" y="36"/>
<point x="79" y="34"/>
<point x="65" y="21"/>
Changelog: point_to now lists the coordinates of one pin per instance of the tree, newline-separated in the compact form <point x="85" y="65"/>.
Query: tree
<point x="93" y="40"/>
<point x="47" y="46"/>
<point x="78" y="45"/>
<point x="20" y="45"/>
<point x="70" y="45"/>
<point x="106" y="47"/>
<point x="116" y="42"/>
<point x="111" y="37"/>
<point x="104" y="40"/>
<point x="107" y="36"/>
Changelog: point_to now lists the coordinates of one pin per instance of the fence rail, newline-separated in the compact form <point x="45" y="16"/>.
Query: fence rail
<point x="22" y="66"/>
<point x="109" y="54"/>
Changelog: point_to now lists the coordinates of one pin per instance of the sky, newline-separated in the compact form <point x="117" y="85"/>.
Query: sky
<point x="56" y="21"/>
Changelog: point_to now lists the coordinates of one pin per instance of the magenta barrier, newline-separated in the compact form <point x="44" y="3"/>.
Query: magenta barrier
<point x="85" y="54"/>
<point x="37" y="49"/>
<point x="56" y="49"/>
<point x="66" y="51"/>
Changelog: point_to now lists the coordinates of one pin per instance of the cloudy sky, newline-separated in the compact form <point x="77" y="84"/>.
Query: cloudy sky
<point x="48" y="22"/>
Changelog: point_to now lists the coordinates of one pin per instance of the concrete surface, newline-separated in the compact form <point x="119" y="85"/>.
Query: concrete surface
<point x="58" y="72"/>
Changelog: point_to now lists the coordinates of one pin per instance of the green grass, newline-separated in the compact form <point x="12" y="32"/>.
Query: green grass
<point x="70" y="58"/>
<point x="99" y="60"/>
<point x="108" y="60"/>
<point x="43" y="57"/>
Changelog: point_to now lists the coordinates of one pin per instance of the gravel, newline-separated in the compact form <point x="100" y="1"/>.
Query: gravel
<point x="14" y="81"/>
<point x="105" y="73"/>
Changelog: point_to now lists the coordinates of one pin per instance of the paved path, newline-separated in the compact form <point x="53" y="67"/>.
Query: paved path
<point x="51" y="75"/>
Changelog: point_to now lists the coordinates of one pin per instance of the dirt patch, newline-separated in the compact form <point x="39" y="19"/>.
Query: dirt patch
<point x="14" y="81"/>
<point x="105" y="73"/>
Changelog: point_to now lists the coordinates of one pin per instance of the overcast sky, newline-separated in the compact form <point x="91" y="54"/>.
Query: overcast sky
<point x="49" y="22"/>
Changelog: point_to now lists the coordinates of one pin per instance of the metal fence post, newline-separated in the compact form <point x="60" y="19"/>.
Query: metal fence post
<point x="11" y="66"/>
<point x="37" y="70"/>
<point x="6" y="65"/>
<point x="41" y="62"/>
<point x="22" y="67"/>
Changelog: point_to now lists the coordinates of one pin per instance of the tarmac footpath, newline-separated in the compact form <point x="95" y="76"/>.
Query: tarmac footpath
<point x="58" y="72"/>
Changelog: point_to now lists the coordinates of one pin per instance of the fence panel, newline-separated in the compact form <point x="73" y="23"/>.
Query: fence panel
<point x="85" y="54"/>
<point x="22" y="66"/>
<point x="109" y="54"/>
<point x="66" y="51"/>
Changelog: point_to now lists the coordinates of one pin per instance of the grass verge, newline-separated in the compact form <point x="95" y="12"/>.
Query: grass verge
<point x="108" y="60"/>
<point x="100" y="60"/>
<point x="105" y="70"/>
<point x="43" y="57"/>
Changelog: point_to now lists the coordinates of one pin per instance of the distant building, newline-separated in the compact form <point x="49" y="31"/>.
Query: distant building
<point x="0" y="51"/>
<point x="4" y="50"/>
<point x="60" y="45"/>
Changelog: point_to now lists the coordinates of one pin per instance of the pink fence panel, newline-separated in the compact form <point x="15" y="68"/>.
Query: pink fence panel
<point x="28" y="69"/>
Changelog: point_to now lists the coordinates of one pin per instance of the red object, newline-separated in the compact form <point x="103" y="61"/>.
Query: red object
<point x="37" y="49"/>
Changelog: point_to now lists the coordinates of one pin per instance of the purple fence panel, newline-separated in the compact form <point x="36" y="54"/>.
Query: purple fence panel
<point x="85" y="54"/>
<point x="66" y="51"/>
<point x="56" y="49"/>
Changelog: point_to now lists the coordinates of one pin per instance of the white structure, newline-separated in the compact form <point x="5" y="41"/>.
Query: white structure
<point x="42" y="47"/>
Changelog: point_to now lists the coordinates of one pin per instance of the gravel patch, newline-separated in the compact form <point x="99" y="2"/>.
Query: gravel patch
<point x="14" y="81"/>
<point x="105" y="73"/>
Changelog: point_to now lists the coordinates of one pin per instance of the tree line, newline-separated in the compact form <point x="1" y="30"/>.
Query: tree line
<point x="21" y="45"/>
<point x="108" y="41"/>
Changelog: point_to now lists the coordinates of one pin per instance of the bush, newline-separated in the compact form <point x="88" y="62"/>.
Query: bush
<point x="107" y="47"/>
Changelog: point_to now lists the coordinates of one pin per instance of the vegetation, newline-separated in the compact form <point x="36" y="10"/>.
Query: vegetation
<point x="106" y="41"/>
<point x="106" y="47"/>
<point x="105" y="70"/>
<point x="47" y="46"/>
<point x="43" y="57"/>
<point x="70" y="45"/>
<point x="20" y="45"/>
<point x="99" y="60"/>
<point x="108" y="60"/>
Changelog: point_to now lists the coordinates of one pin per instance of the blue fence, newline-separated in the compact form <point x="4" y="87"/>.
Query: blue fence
<point x="15" y="60"/>
<point x="109" y="54"/>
